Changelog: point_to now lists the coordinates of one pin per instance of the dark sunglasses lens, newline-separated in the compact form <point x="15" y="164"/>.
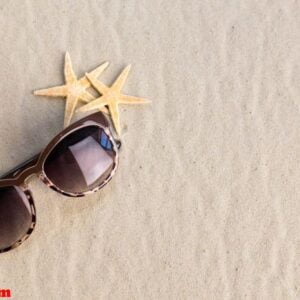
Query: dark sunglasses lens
<point x="15" y="216"/>
<point x="82" y="161"/>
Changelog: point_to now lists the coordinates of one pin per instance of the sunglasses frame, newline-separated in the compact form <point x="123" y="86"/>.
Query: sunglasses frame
<point x="20" y="176"/>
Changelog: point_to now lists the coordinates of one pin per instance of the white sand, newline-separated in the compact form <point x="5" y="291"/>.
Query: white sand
<point x="205" y="204"/>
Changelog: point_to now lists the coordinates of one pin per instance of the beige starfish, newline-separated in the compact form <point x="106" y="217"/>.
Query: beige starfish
<point x="73" y="90"/>
<point x="111" y="97"/>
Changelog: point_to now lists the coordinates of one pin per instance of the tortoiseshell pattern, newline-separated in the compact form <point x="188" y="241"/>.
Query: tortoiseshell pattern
<point x="32" y="225"/>
<point x="35" y="166"/>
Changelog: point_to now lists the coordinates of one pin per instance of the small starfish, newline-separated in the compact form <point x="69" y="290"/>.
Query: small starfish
<point x="111" y="97"/>
<point x="73" y="90"/>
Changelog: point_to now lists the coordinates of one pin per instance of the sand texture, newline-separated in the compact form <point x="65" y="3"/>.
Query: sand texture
<point x="206" y="200"/>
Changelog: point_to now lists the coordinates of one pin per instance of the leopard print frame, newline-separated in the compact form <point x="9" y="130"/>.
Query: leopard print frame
<point x="50" y="184"/>
<point x="32" y="225"/>
<point x="35" y="166"/>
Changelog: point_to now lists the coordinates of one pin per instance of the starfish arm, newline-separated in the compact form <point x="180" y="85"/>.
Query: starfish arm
<point x="95" y="73"/>
<point x="96" y="104"/>
<point x="86" y="97"/>
<point x="70" y="108"/>
<point x="99" y="86"/>
<point x="124" y="99"/>
<point x="120" y="81"/>
<point x="70" y="76"/>
<point x="57" y="91"/>
<point x="114" y="113"/>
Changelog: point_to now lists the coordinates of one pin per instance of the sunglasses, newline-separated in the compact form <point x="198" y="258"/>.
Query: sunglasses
<point x="78" y="161"/>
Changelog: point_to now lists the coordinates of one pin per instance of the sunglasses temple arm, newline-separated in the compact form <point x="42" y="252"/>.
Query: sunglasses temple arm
<point x="27" y="164"/>
<point x="119" y="144"/>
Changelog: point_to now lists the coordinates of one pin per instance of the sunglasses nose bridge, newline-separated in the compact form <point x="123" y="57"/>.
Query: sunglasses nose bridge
<point x="24" y="176"/>
<point x="24" y="170"/>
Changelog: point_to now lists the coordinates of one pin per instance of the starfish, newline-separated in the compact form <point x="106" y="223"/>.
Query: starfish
<point x="74" y="89"/>
<point x="111" y="97"/>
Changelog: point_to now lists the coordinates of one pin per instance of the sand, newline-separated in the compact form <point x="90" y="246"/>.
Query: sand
<point x="205" y="203"/>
